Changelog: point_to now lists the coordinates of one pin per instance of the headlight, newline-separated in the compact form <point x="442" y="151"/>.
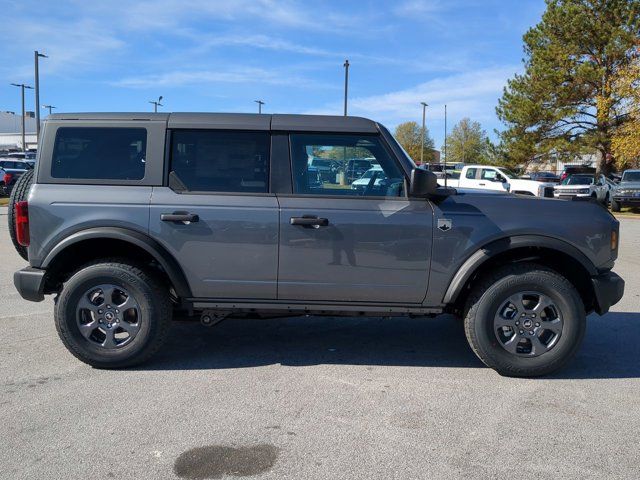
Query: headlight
<point x="583" y="190"/>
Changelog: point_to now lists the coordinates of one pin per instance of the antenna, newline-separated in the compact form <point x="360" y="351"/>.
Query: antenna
<point x="445" y="146"/>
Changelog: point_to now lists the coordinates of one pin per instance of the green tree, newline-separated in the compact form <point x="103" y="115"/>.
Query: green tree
<point x="565" y="100"/>
<point x="467" y="143"/>
<point x="409" y="135"/>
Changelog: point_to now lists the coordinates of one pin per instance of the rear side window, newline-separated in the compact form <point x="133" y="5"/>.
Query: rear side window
<point x="100" y="153"/>
<point x="221" y="160"/>
<point x="471" y="173"/>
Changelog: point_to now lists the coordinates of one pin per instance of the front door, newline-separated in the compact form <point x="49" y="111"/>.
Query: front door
<point x="343" y="240"/>
<point x="216" y="217"/>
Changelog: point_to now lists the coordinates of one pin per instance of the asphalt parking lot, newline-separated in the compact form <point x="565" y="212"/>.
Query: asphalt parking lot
<point x="309" y="398"/>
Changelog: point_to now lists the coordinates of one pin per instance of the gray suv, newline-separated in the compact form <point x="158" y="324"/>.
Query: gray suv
<point x="132" y="218"/>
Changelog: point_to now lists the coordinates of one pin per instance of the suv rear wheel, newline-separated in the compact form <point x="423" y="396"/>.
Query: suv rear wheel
<point x="112" y="315"/>
<point x="525" y="320"/>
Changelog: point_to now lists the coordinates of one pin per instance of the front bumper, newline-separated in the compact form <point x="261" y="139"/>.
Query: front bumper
<point x="30" y="283"/>
<point x="569" y="196"/>
<point x="609" y="289"/>
<point x="627" y="200"/>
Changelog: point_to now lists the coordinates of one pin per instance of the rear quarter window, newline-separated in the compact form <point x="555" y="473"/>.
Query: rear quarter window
<point x="99" y="153"/>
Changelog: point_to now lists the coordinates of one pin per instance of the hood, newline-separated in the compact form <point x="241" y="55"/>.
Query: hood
<point x="625" y="185"/>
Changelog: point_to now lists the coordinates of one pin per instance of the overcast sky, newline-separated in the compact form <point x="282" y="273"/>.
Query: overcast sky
<point x="220" y="56"/>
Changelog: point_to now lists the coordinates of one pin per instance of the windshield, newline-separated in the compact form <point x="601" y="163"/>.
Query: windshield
<point x="578" y="180"/>
<point x="508" y="173"/>
<point x="631" y="176"/>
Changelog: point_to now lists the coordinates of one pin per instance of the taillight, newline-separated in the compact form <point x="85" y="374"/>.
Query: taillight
<point x="22" y="223"/>
<point x="7" y="178"/>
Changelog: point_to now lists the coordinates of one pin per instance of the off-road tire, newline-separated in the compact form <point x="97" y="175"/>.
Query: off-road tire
<point x="151" y="295"/>
<point x="485" y="299"/>
<point x="615" y="206"/>
<point x="18" y="194"/>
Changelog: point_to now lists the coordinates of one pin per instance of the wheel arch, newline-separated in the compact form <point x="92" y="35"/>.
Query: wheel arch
<point x="114" y="238"/>
<point x="554" y="253"/>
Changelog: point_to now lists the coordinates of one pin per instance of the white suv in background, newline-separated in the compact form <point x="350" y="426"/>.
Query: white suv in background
<point x="583" y="185"/>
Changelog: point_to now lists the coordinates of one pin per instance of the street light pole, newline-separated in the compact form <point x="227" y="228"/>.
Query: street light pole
<point x="49" y="107"/>
<point x="37" y="55"/>
<point x="22" y="87"/>
<point x="346" y="84"/>
<point x="424" y="130"/>
<point x="156" y="104"/>
<point x="260" y="103"/>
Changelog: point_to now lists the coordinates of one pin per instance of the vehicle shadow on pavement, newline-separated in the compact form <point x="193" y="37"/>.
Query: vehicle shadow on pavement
<point x="611" y="349"/>
<point x="302" y="341"/>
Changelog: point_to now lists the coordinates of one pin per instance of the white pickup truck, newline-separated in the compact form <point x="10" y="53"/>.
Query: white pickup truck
<point x="498" y="178"/>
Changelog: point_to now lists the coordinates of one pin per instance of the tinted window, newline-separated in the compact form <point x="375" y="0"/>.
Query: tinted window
<point x="99" y="153"/>
<point x="471" y="173"/>
<point x="221" y="161"/>
<point x="359" y="165"/>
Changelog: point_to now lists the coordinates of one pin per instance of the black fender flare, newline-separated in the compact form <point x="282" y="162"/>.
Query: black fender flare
<point x="151" y="246"/>
<point x="480" y="256"/>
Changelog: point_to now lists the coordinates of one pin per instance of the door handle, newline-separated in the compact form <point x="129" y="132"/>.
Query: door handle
<point x="184" y="217"/>
<point x="309" y="221"/>
<point x="482" y="184"/>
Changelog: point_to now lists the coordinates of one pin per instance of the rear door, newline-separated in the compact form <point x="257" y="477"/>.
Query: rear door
<point x="469" y="179"/>
<point x="339" y="243"/>
<point x="216" y="215"/>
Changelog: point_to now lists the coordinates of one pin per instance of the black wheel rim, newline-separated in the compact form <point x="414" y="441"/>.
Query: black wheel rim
<point x="528" y="324"/>
<point x="108" y="316"/>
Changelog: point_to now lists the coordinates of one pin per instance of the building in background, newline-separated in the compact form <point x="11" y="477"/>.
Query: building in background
<point x="11" y="131"/>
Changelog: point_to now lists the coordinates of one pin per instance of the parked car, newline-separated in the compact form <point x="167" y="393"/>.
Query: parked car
<point x="356" y="167"/>
<point x="326" y="168"/>
<point x="12" y="170"/>
<point x="583" y="185"/>
<point x="498" y="178"/>
<point x="545" y="177"/>
<point x="627" y="192"/>
<point x="365" y="180"/>
<point x="575" y="170"/>
<point x="225" y="223"/>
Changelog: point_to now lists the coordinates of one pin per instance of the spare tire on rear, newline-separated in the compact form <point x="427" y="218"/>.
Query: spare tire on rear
<point x="18" y="194"/>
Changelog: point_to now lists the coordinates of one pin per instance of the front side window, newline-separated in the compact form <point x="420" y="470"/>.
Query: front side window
<point x="335" y="164"/>
<point x="221" y="161"/>
<point x="99" y="153"/>
<point x="488" y="174"/>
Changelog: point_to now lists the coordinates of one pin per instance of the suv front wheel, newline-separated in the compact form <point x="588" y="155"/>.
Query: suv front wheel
<point x="525" y="320"/>
<point x="113" y="315"/>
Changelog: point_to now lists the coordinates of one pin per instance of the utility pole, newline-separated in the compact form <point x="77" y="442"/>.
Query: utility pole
<point x="260" y="103"/>
<point x="156" y="104"/>
<point x="22" y="87"/>
<point x="49" y="107"/>
<point x="36" y="56"/>
<point x="424" y="130"/>
<point x="346" y="84"/>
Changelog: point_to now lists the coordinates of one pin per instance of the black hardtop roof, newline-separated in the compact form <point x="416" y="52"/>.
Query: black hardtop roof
<point x="243" y="121"/>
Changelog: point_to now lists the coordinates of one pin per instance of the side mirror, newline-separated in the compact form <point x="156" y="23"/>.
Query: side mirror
<point x="423" y="183"/>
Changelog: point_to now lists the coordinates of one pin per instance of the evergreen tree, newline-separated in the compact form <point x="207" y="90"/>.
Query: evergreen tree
<point x="565" y="100"/>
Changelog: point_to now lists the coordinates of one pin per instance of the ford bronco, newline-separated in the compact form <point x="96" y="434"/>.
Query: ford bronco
<point x="131" y="218"/>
